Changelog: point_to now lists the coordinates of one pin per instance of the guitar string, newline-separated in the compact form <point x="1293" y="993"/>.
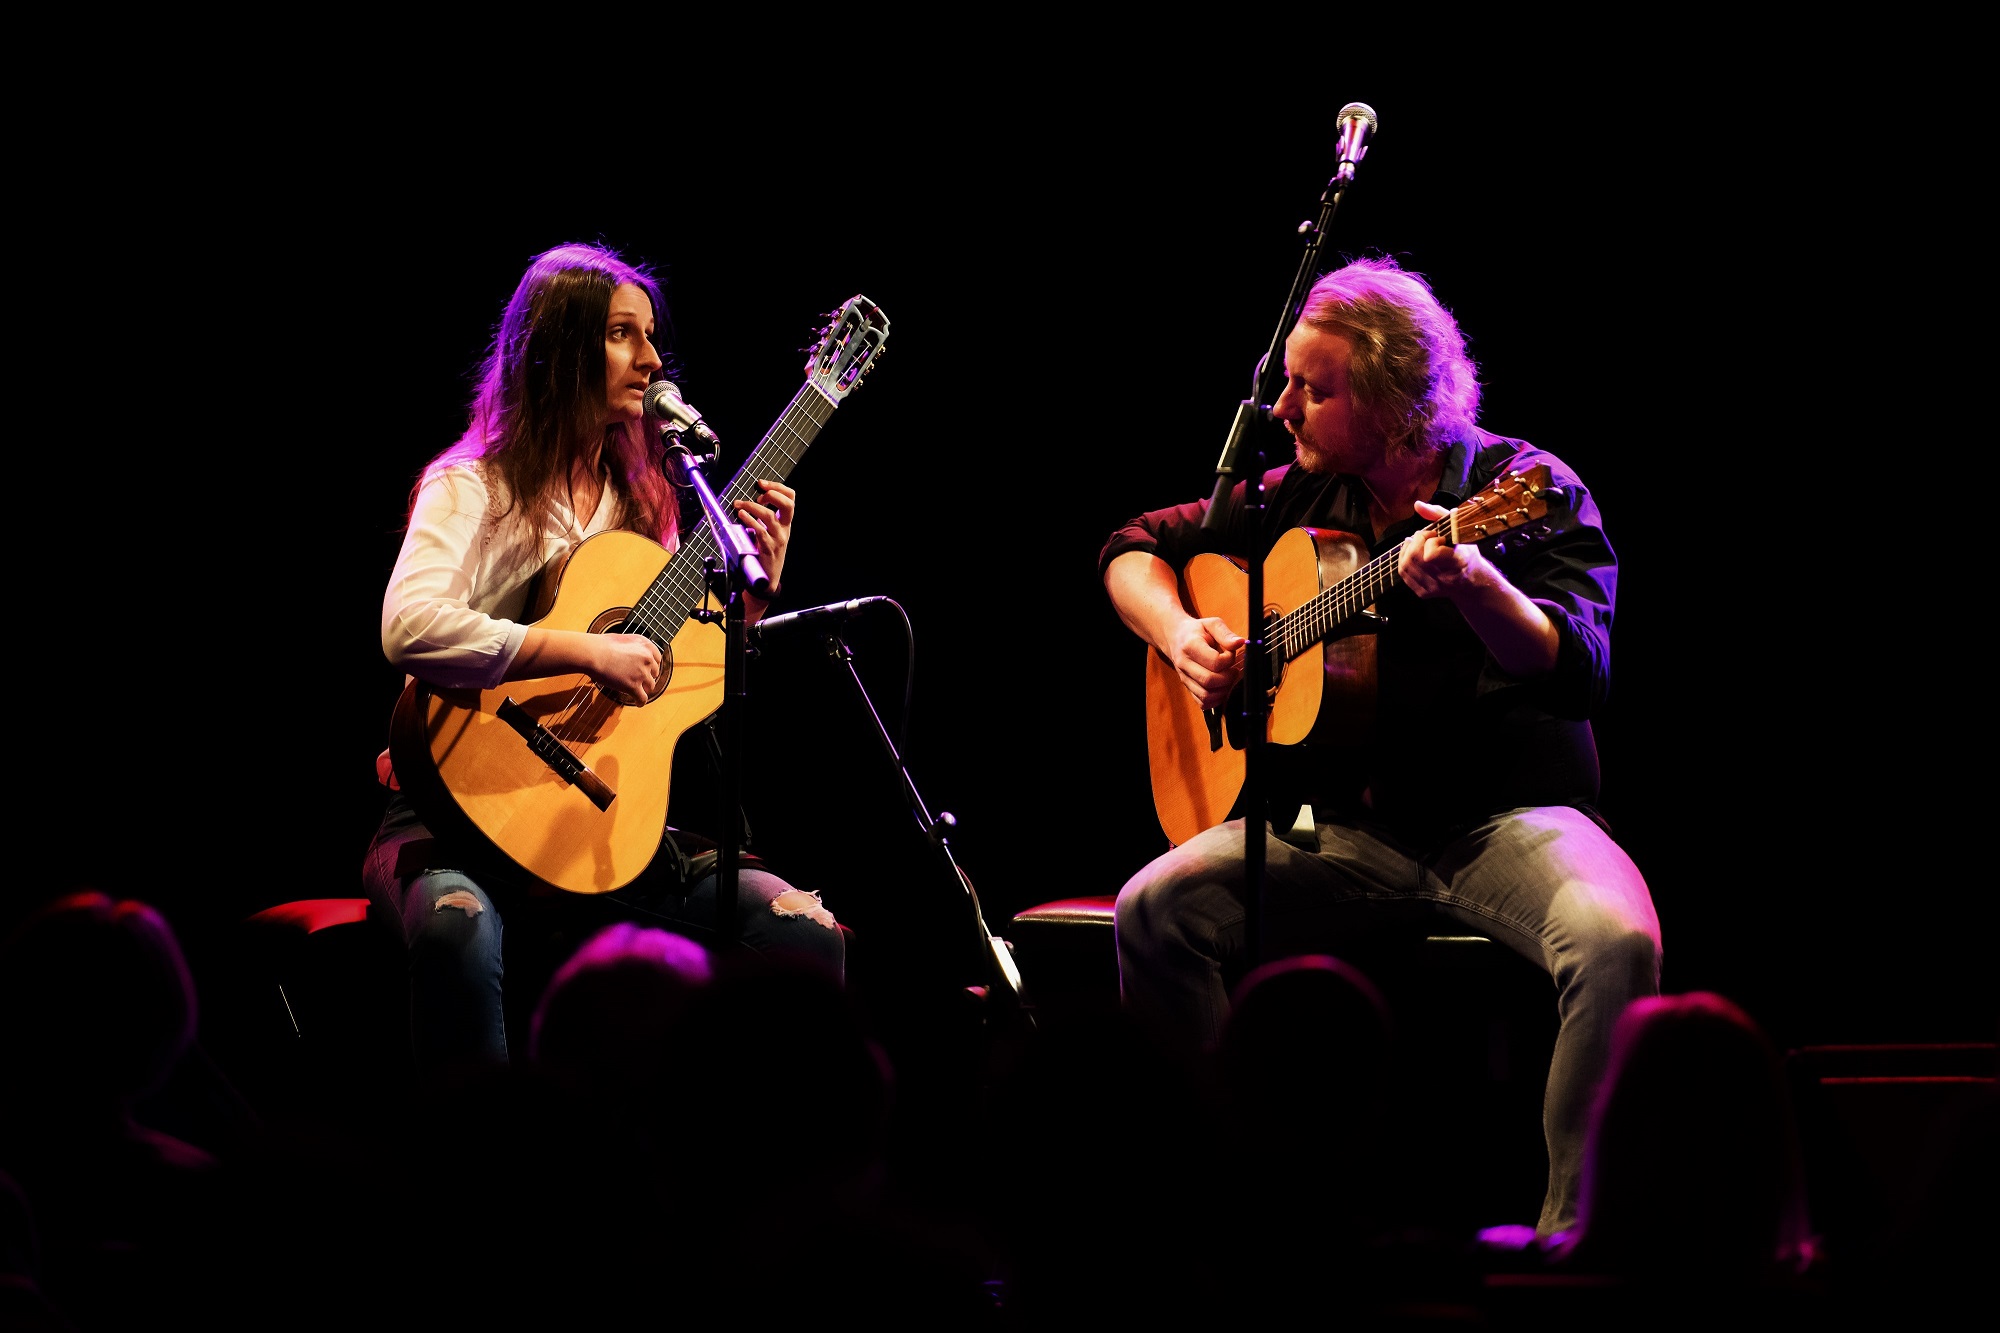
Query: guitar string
<point x="654" y="611"/>
<point x="651" y="612"/>
<point x="1313" y="619"/>
<point x="641" y="620"/>
<point x="1300" y="627"/>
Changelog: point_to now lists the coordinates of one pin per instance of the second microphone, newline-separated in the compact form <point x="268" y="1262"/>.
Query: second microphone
<point x="813" y="617"/>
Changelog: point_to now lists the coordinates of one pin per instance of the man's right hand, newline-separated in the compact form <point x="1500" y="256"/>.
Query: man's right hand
<point x="1209" y="657"/>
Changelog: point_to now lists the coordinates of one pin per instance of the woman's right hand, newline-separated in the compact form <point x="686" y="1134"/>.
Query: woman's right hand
<point x="629" y="667"/>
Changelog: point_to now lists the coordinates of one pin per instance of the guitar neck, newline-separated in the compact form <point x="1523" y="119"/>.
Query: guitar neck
<point x="1508" y="503"/>
<point x="683" y="584"/>
<point x="1318" y="616"/>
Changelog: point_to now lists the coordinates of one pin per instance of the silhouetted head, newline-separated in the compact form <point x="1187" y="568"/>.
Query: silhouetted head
<point x="608" y="1016"/>
<point x="96" y="1004"/>
<point x="1693" y="1168"/>
<point x="1300" y="1029"/>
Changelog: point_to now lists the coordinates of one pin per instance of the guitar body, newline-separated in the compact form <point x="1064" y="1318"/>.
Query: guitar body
<point x="455" y="753"/>
<point x="1325" y="694"/>
<point x="1320" y="590"/>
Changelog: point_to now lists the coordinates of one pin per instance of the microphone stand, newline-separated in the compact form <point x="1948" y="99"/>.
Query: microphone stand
<point x="1003" y="988"/>
<point x="740" y="568"/>
<point x="1253" y="418"/>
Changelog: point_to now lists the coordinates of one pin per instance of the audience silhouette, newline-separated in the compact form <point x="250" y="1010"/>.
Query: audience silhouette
<point x="695" y="1133"/>
<point x="608" y="1022"/>
<point x="97" y="1007"/>
<point x="1694" y="1172"/>
<point x="1306" y="1075"/>
<point x="1694" y="1190"/>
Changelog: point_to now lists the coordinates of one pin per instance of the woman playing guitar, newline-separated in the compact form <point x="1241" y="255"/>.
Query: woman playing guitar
<point x="557" y="452"/>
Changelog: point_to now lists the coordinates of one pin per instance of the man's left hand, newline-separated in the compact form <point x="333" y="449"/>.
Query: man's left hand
<point x="1433" y="567"/>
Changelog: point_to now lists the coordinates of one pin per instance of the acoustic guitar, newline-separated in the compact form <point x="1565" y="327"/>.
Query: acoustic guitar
<point x="565" y="781"/>
<point x="1319" y="593"/>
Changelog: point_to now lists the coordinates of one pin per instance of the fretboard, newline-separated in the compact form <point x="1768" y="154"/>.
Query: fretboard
<point x="665" y="607"/>
<point x="1327" y="610"/>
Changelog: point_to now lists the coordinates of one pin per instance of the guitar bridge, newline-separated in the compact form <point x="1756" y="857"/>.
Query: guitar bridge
<point x="556" y="755"/>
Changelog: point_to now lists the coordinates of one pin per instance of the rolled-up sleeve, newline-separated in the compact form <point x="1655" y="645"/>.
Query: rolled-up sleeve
<point x="1572" y="575"/>
<point x="433" y="626"/>
<point x="1176" y="534"/>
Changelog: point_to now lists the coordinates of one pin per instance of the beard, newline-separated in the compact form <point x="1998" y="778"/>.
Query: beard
<point x="1364" y="449"/>
<point x="1307" y="454"/>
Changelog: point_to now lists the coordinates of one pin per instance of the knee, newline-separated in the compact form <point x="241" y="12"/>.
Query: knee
<point x="1156" y="903"/>
<point x="1618" y="953"/>
<point x="795" y="904"/>
<point x="1137" y="907"/>
<point x="797" y="922"/>
<point x="447" y="915"/>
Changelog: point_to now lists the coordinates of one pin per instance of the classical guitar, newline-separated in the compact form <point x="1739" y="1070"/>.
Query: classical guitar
<point x="566" y="782"/>
<point x="1319" y="598"/>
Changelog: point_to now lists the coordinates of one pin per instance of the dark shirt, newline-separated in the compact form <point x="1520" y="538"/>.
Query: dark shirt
<point x="1454" y="738"/>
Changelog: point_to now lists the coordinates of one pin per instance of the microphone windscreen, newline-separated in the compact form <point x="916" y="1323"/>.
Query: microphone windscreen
<point x="662" y="398"/>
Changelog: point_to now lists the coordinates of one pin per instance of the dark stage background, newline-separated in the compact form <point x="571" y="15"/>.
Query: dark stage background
<point x="1081" y="264"/>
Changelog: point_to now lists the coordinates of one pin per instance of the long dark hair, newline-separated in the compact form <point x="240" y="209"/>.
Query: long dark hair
<point x="540" y="399"/>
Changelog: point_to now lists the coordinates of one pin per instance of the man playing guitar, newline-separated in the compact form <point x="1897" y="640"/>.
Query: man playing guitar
<point x="1490" y="640"/>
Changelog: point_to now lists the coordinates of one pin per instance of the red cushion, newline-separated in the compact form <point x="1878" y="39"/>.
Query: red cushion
<point x="311" y="914"/>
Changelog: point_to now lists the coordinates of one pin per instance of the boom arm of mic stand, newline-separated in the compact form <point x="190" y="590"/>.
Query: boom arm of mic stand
<point x="996" y="957"/>
<point x="1270" y="373"/>
<point x="738" y="547"/>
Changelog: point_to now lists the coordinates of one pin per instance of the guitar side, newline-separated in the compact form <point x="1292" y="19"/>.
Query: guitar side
<point x="462" y="759"/>
<point x="1197" y="773"/>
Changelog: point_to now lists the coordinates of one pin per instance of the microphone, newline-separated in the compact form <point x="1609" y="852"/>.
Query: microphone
<point x="830" y="614"/>
<point x="665" y="406"/>
<point x="1354" y="124"/>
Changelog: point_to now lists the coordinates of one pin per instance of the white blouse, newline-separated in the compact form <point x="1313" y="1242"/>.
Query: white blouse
<point x="464" y="576"/>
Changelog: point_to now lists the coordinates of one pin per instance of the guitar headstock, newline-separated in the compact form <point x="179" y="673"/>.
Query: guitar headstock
<point x="1512" y="500"/>
<point x="848" y="346"/>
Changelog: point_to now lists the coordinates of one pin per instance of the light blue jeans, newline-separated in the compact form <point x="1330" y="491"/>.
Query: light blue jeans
<point x="449" y="917"/>
<point x="1546" y="881"/>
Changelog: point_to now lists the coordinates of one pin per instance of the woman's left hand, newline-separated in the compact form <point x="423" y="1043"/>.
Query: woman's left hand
<point x="770" y="518"/>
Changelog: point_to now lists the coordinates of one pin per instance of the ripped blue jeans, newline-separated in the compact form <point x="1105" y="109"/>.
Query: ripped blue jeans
<point x="449" y="917"/>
